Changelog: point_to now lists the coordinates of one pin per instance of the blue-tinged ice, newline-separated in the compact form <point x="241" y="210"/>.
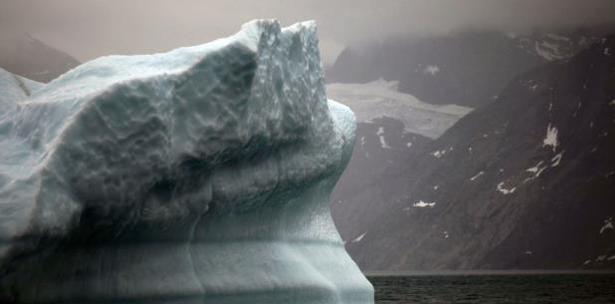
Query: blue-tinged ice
<point x="201" y="175"/>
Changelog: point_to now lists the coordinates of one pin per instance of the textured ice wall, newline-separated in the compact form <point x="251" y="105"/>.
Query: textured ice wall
<point x="201" y="175"/>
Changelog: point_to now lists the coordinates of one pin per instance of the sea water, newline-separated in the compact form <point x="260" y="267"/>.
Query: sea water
<point x="586" y="288"/>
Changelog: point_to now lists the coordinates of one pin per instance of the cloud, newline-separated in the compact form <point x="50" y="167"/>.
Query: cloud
<point x="91" y="28"/>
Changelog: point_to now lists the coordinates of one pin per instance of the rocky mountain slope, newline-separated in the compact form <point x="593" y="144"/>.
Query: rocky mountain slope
<point x="523" y="182"/>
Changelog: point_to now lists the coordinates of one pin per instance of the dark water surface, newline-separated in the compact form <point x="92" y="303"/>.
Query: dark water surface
<point x="596" y="288"/>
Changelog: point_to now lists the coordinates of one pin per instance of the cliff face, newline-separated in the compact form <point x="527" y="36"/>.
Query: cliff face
<point x="523" y="182"/>
<point x="201" y="175"/>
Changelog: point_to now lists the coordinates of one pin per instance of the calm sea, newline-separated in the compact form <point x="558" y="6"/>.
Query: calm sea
<point x="584" y="288"/>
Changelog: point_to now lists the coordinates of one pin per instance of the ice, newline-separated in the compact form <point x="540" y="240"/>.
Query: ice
<point x="201" y="175"/>
<point x="381" y="99"/>
<point x="383" y="143"/>
<point x="556" y="159"/>
<point x="504" y="190"/>
<point x="539" y="168"/>
<point x="14" y="88"/>
<point x="551" y="138"/>
<point x="438" y="153"/>
<point x="422" y="204"/>
<point x="473" y="178"/>
<point x="608" y="224"/>
<point x="431" y="70"/>
<point x="549" y="51"/>
<point x="358" y="238"/>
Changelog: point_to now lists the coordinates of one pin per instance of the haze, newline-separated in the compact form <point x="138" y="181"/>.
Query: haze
<point x="88" y="29"/>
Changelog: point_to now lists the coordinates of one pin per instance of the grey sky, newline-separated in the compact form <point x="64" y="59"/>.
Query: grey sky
<point x="89" y="28"/>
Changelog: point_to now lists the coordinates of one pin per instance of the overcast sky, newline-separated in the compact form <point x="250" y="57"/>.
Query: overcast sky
<point x="88" y="28"/>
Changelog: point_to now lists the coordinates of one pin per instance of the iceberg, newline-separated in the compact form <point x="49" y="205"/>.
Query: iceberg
<point x="200" y="175"/>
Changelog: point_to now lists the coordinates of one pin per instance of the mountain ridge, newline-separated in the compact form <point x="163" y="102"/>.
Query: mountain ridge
<point x="462" y="202"/>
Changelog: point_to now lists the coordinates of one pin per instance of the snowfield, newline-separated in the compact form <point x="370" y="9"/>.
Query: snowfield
<point x="381" y="98"/>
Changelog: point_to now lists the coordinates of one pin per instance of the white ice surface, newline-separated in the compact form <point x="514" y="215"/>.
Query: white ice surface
<point x="201" y="175"/>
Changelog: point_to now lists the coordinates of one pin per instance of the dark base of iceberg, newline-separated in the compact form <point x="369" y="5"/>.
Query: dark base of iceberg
<point x="216" y="268"/>
<point x="201" y="175"/>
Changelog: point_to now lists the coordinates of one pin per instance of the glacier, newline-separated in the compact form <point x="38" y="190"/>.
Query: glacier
<point x="382" y="98"/>
<point x="200" y="175"/>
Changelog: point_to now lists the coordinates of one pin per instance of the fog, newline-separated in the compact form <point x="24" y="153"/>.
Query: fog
<point x="88" y="29"/>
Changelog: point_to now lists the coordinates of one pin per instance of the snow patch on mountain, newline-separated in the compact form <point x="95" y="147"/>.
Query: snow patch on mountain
<point x="608" y="224"/>
<point x="431" y="70"/>
<point x="556" y="159"/>
<point x="554" y="46"/>
<point x="549" y="51"/>
<point x="383" y="142"/>
<point x="438" y="153"/>
<point x="536" y="170"/>
<point x="473" y="178"/>
<point x="551" y="137"/>
<point x="504" y="190"/>
<point x="423" y="204"/>
<point x="358" y="238"/>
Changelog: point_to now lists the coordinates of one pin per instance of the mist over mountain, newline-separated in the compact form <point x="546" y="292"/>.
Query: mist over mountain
<point x="525" y="181"/>
<point x="29" y="57"/>
<point x="466" y="68"/>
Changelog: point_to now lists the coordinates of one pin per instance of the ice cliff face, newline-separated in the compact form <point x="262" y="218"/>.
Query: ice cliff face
<point x="201" y="175"/>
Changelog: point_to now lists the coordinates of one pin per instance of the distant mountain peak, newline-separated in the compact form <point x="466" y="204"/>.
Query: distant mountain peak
<point x="29" y="57"/>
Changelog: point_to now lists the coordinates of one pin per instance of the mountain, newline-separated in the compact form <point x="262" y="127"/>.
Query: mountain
<point x="523" y="182"/>
<point x="31" y="58"/>
<point x="391" y="127"/>
<point x="466" y="68"/>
